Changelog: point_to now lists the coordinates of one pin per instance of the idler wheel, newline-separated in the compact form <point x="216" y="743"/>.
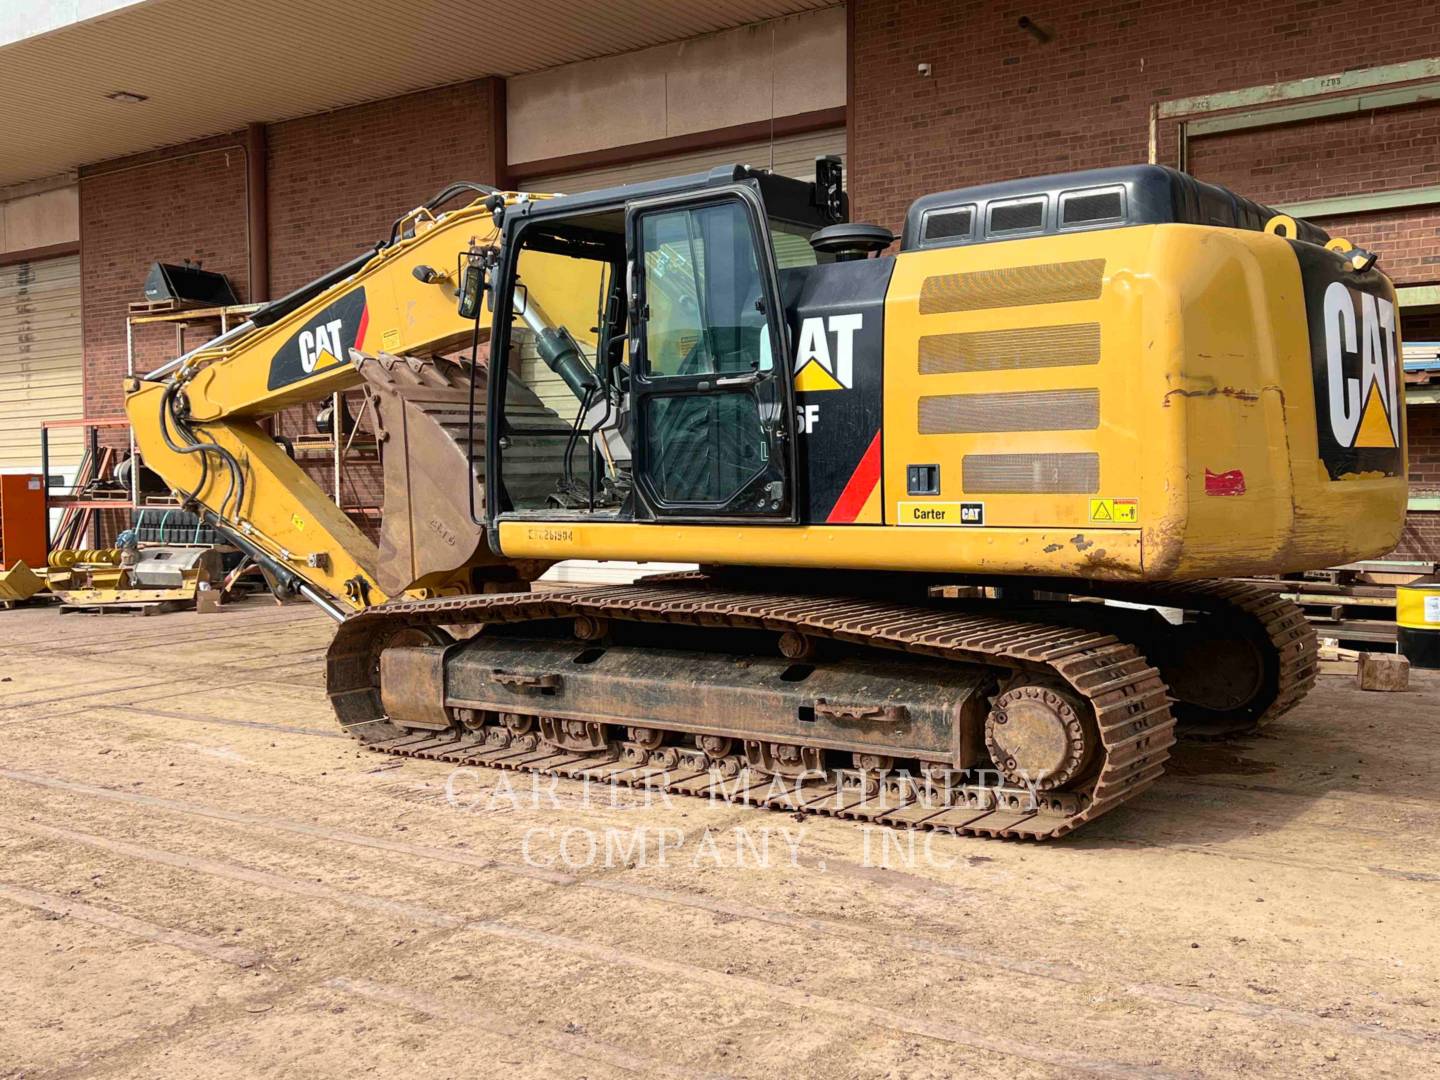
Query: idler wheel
<point x="1036" y="735"/>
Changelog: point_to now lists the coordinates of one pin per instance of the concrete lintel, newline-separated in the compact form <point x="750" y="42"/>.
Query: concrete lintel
<point x="1338" y="82"/>
<point x="1366" y="203"/>
<point x="1273" y="115"/>
<point x="1418" y="296"/>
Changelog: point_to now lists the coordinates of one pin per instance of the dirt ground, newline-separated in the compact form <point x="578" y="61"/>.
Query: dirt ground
<point x="202" y="877"/>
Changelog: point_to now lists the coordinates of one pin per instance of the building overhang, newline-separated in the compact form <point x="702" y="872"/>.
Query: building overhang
<point x="71" y="70"/>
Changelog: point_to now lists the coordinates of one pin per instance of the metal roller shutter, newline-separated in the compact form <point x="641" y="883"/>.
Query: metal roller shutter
<point x="793" y="155"/>
<point x="41" y="367"/>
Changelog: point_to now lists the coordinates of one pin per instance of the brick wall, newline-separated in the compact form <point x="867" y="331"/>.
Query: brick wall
<point x="1384" y="151"/>
<point x="336" y="182"/>
<point x="1421" y="539"/>
<point x="1001" y="104"/>
<point x="182" y="203"/>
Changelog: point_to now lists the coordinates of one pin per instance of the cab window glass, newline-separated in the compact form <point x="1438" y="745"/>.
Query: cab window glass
<point x="703" y="290"/>
<point x="791" y="244"/>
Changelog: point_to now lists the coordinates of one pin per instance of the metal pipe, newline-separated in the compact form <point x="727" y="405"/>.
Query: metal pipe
<point x="337" y="406"/>
<point x="130" y="428"/>
<point x="95" y="514"/>
<point x="45" y="481"/>
<point x="228" y="336"/>
<point x="257" y="212"/>
<point x="531" y="313"/>
<point x="286" y="581"/>
<point x="321" y="601"/>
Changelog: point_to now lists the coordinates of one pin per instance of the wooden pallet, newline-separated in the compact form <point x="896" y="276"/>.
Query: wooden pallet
<point x="1348" y="611"/>
<point x="162" y="307"/>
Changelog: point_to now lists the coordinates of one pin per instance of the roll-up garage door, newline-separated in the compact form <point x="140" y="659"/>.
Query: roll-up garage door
<point x="41" y="372"/>
<point x="793" y="155"/>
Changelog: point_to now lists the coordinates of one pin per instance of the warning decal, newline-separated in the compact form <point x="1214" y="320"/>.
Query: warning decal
<point x="1115" y="511"/>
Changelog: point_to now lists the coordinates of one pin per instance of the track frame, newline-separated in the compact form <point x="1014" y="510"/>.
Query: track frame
<point x="1130" y="702"/>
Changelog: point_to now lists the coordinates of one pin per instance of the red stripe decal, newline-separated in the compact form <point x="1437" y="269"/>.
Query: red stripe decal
<point x="364" y="325"/>
<point x="857" y="490"/>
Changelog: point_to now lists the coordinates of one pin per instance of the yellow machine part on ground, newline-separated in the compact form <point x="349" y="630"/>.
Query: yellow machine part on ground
<point x="19" y="583"/>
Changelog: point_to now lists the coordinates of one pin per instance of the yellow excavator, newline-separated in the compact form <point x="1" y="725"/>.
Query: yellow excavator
<point x="963" y="512"/>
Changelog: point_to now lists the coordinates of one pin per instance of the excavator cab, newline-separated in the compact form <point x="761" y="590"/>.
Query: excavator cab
<point x="662" y="380"/>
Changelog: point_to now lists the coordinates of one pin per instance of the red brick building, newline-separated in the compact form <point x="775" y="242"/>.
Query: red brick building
<point x="1325" y="107"/>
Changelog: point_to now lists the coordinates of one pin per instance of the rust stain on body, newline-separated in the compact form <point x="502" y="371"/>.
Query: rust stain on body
<point x="1214" y="391"/>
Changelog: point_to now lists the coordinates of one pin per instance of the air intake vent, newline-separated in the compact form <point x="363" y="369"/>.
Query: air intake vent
<point x="1009" y="350"/>
<point x="1027" y="216"/>
<point x="942" y="225"/>
<point x="1014" y="286"/>
<point x="1092" y="208"/>
<point x="1030" y="474"/>
<point x="1039" y="410"/>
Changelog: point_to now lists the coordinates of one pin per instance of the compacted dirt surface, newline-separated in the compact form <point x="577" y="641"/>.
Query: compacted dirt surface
<point x="202" y="877"/>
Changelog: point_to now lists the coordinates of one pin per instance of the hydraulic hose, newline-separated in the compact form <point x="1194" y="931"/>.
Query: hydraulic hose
<point x="441" y="197"/>
<point x="236" y="489"/>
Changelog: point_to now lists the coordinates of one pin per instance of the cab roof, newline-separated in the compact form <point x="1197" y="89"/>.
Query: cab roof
<point x="1075" y="201"/>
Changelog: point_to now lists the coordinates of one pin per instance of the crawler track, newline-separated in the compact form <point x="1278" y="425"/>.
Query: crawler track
<point x="1283" y="636"/>
<point x="1130" y="701"/>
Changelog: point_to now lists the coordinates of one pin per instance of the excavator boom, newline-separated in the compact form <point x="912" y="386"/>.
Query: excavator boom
<point x="201" y="420"/>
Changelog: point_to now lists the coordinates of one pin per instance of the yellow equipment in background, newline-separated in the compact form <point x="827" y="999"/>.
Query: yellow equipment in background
<point x="151" y="579"/>
<point x="19" y="583"/>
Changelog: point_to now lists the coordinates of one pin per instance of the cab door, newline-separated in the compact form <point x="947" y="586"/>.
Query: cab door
<point x="713" y="430"/>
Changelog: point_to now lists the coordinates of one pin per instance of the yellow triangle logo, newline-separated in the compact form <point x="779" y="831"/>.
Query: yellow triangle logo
<point x="814" y="377"/>
<point x="1375" y="424"/>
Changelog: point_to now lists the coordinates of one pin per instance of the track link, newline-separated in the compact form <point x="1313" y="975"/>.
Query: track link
<point x="1293" y="642"/>
<point x="1130" y="700"/>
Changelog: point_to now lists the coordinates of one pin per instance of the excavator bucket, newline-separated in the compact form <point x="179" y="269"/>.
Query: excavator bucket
<point x="429" y="529"/>
<point x="422" y="419"/>
<point x="19" y="583"/>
